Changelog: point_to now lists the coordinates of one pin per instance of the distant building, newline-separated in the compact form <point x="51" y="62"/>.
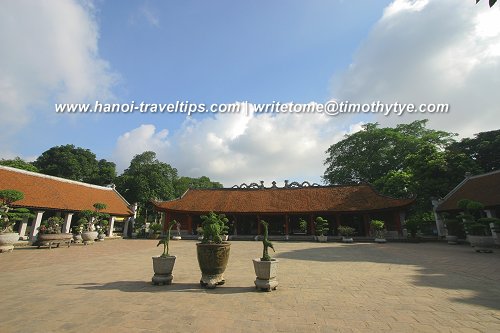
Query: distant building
<point x="484" y="188"/>
<point x="53" y="196"/>
<point x="353" y="205"/>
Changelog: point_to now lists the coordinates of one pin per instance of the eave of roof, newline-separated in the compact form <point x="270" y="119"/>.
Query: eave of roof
<point x="483" y="188"/>
<point x="49" y="192"/>
<point x="346" y="198"/>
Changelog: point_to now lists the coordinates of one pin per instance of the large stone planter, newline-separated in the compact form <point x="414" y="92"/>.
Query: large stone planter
<point x="89" y="237"/>
<point x="77" y="238"/>
<point x="212" y="259"/>
<point x="481" y="243"/>
<point x="266" y="272"/>
<point x="347" y="239"/>
<point x="7" y="241"/>
<point x="163" y="267"/>
<point x="322" y="238"/>
<point x="54" y="239"/>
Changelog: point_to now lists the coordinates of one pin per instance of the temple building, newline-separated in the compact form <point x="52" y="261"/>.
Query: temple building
<point x="352" y="205"/>
<point x="48" y="196"/>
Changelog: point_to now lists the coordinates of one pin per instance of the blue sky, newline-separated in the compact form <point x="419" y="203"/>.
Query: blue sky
<point x="410" y="51"/>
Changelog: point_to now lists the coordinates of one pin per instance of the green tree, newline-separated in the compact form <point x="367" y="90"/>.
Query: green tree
<point x="147" y="179"/>
<point x="408" y="160"/>
<point x="183" y="183"/>
<point x="483" y="148"/>
<point x="19" y="163"/>
<point x="75" y="163"/>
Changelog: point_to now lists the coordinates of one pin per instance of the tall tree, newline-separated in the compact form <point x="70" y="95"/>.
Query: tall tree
<point x="147" y="179"/>
<point x="484" y="148"/>
<point x="19" y="163"/>
<point x="75" y="163"/>
<point x="408" y="160"/>
<point x="183" y="183"/>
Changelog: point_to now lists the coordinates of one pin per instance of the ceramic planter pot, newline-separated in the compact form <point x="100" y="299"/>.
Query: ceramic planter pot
<point x="52" y="239"/>
<point x="266" y="272"/>
<point x="89" y="237"/>
<point x="77" y="238"/>
<point x="163" y="267"/>
<point x="7" y="241"/>
<point x="322" y="238"/>
<point x="100" y="237"/>
<point x="380" y="240"/>
<point x="212" y="259"/>
<point x="481" y="243"/>
<point x="346" y="239"/>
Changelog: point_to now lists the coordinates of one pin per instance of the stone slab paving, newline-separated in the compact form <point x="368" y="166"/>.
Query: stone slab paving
<point x="106" y="287"/>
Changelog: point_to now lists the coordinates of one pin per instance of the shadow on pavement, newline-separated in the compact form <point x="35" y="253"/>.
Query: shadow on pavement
<point x="438" y="265"/>
<point x="145" y="287"/>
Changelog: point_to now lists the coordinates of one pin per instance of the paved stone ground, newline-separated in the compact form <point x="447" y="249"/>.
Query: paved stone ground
<point x="105" y="287"/>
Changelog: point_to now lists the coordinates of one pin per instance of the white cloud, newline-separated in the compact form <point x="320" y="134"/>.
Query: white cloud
<point x="431" y="51"/>
<point x="49" y="53"/>
<point x="237" y="148"/>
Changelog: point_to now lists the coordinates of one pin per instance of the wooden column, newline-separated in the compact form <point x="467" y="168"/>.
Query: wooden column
<point x="258" y="225"/>
<point x="337" y="222"/>
<point x="397" y="220"/>
<point x="312" y="229"/>
<point x="366" y="222"/>
<point x="166" y="220"/>
<point x="286" y="224"/>
<point x="190" y="224"/>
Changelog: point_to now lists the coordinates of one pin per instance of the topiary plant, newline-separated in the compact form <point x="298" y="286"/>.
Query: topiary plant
<point x="214" y="226"/>
<point x="8" y="214"/>
<point x="321" y="226"/>
<point x="266" y="243"/>
<point x="346" y="231"/>
<point x="378" y="226"/>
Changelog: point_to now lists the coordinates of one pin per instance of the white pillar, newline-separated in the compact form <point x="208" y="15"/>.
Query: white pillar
<point x="488" y="213"/>
<point x="111" y="225"/>
<point x="22" y="227"/>
<point x="125" y="227"/>
<point x="34" y="226"/>
<point x="67" y="222"/>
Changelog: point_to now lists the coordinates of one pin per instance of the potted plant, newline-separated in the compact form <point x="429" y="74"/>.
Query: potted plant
<point x="77" y="230"/>
<point x="155" y="230"/>
<point x="8" y="217"/>
<point x="346" y="232"/>
<point x="322" y="229"/>
<point x="212" y="251"/>
<point x="94" y="218"/>
<point x="102" y="228"/>
<point x="379" y="228"/>
<point x="164" y="265"/>
<point x="49" y="233"/>
<point x="266" y="268"/>
<point x="303" y="226"/>
<point x="477" y="228"/>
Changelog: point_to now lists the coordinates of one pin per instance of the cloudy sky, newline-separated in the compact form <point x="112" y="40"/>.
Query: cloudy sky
<point x="67" y="51"/>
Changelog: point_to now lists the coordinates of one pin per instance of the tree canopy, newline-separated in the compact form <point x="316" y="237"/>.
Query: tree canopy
<point x="19" y="163"/>
<point x="183" y="183"/>
<point x="76" y="163"/>
<point x="407" y="160"/>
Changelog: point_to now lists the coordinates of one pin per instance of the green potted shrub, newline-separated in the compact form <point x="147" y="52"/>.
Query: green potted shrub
<point x="303" y="226"/>
<point x="346" y="232"/>
<point x="155" y="230"/>
<point x="102" y="229"/>
<point x="477" y="228"/>
<point x="266" y="268"/>
<point x="212" y="251"/>
<point x="8" y="217"/>
<point x="77" y="230"/>
<point x="49" y="233"/>
<point x="379" y="229"/>
<point x="163" y="265"/>
<point x="94" y="218"/>
<point x="321" y="229"/>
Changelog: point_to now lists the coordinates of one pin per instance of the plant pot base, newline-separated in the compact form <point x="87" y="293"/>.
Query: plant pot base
<point x="212" y="281"/>
<point x="347" y="240"/>
<point x="266" y="285"/>
<point x="380" y="240"/>
<point x="176" y="237"/>
<point x="6" y="248"/>
<point x="162" y="279"/>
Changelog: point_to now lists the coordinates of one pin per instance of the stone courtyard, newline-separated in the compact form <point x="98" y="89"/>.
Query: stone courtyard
<point x="360" y="287"/>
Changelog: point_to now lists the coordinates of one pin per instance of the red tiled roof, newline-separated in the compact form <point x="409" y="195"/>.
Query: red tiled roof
<point x="484" y="188"/>
<point x="48" y="192"/>
<point x="278" y="200"/>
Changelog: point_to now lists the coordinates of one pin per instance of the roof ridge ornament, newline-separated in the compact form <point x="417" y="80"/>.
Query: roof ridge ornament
<point x="274" y="185"/>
